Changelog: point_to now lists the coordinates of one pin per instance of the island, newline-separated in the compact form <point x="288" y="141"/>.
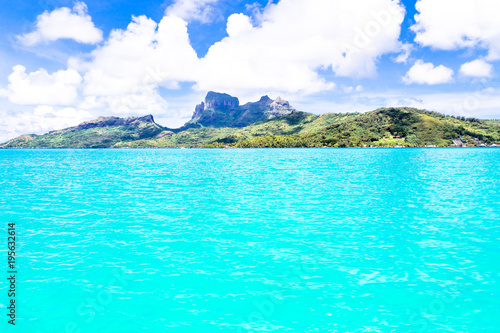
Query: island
<point x="221" y="122"/>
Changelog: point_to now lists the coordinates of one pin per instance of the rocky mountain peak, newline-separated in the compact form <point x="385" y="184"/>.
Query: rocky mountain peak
<point x="215" y="100"/>
<point x="223" y="110"/>
<point x="280" y="104"/>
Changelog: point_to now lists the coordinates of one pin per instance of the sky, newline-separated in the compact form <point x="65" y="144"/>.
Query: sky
<point x="65" y="62"/>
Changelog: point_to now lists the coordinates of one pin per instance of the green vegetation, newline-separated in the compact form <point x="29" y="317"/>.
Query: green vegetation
<point x="99" y="133"/>
<point x="391" y="127"/>
<point x="388" y="127"/>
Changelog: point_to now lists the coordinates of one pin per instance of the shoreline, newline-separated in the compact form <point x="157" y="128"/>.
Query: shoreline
<point x="242" y="148"/>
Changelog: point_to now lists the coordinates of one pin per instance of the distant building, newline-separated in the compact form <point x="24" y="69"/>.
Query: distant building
<point x="457" y="143"/>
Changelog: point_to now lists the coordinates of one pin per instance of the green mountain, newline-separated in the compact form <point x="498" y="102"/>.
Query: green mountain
<point x="220" y="121"/>
<point x="103" y="132"/>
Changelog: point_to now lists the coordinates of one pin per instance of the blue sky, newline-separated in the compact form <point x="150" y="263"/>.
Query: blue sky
<point x="64" y="62"/>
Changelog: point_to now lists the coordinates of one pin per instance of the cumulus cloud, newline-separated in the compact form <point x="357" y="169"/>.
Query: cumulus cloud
<point x="295" y="39"/>
<point x="477" y="68"/>
<point x="283" y="54"/>
<point x="238" y="24"/>
<point x="40" y="87"/>
<point x="64" y="23"/>
<point x="123" y="74"/>
<point x="427" y="73"/>
<point x="193" y="10"/>
<point x="145" y="54"/>
<point x="448" y="25"/>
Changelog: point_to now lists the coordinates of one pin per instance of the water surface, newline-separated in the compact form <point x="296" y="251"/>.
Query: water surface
<point x="278" y="240"/>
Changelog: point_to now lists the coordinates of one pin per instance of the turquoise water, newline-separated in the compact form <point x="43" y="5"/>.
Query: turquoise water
<point x="283" y="240"/>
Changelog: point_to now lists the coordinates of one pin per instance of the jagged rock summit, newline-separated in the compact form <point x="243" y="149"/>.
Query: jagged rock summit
<point x="223" y="110"/>
<point x="280" y="104"/>
<point x="220" y="101"/>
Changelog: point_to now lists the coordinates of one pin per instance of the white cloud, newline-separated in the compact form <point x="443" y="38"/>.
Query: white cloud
<point x="406" y="49"/>
<point x="120" y="64"/>
<point x="350" y="89"/>
<point x="145" y="54"/>
<point x="448" y="25"/>
<point x="238" y="24"/>
<point x="40" y="87"/>
<point x="144" y="101"/>
<point x="64" y="23"/>
<point x="276" y="56"/>
<point x="193" y="10"/>
<point x="295" y="39"/>
<point x="123" y="74"/>
<point x="427" y="73"/>
<point x="477" y="68"/>
<point x="39" y="121"/>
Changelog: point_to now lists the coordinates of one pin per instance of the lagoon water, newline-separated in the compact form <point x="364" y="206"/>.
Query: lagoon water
<point x="270" y="240"/>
